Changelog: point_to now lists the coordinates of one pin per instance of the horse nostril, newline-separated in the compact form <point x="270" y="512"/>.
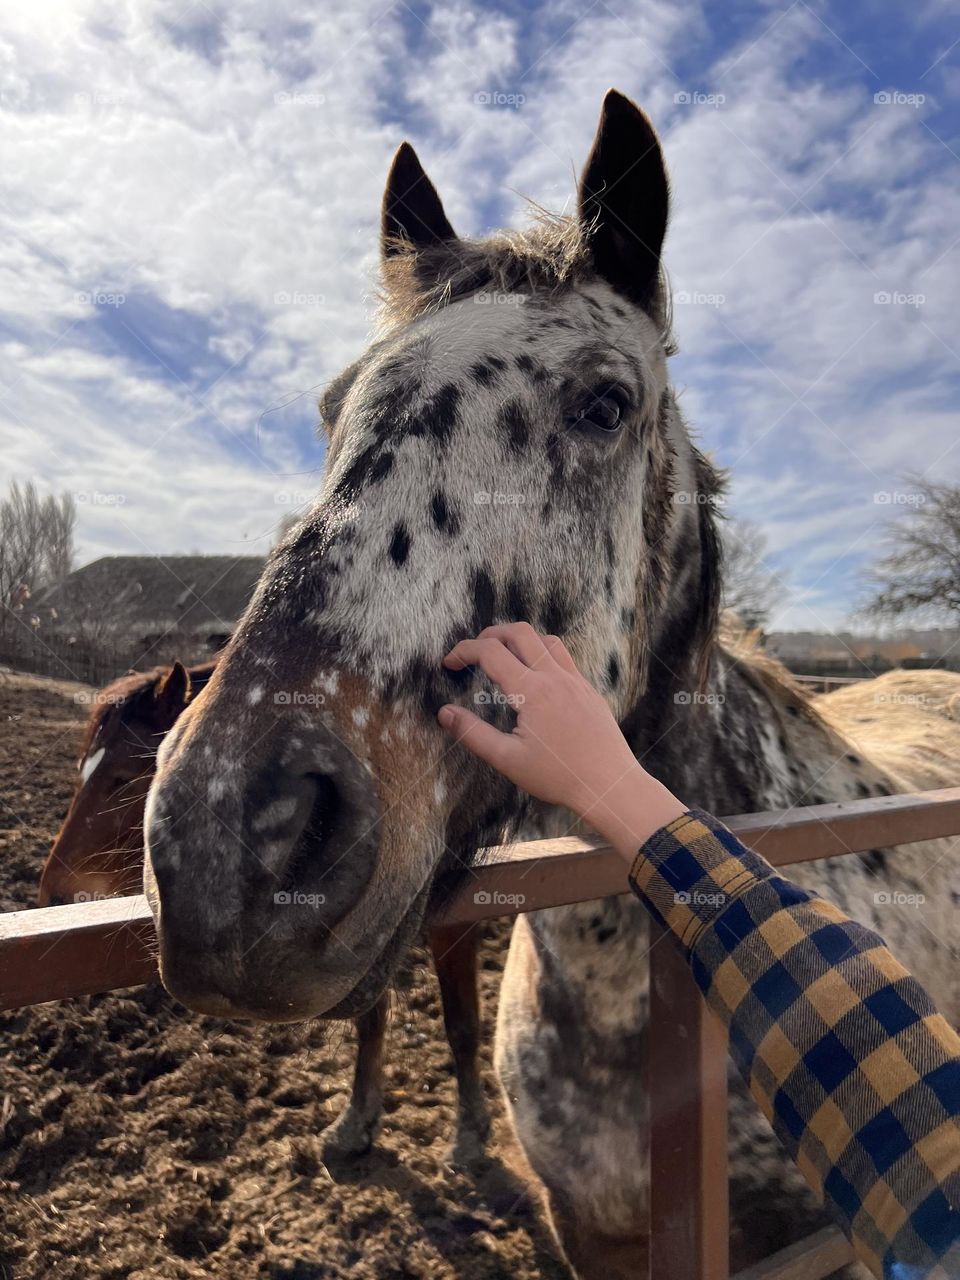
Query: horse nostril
<point x="317" y="831"/>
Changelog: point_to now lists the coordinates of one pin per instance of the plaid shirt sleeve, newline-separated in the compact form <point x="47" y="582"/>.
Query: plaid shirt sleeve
<point x="841" y="1047"/>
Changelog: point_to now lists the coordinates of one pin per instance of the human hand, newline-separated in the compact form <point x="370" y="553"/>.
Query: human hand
<point x="566" y="748"/>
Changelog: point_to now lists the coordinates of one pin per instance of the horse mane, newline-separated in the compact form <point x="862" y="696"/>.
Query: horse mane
<point x="550" y="254"/>
<point x="764" y="672"/>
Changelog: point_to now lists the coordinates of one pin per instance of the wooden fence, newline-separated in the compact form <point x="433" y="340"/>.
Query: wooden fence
<point x="46" y="653"/>
<point x="84" y="948"/>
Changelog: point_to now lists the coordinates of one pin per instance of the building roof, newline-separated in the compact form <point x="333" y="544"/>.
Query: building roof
<point x="156" y="593"/>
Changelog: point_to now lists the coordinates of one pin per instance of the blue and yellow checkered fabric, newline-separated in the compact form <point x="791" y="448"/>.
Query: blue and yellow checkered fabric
<point x="842" y="1048"/>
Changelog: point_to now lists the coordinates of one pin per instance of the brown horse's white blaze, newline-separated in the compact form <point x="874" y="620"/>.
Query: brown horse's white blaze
<point x="508" y="448"/>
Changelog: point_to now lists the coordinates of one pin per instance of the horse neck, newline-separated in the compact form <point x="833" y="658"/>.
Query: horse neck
<point x="726" y="747"/>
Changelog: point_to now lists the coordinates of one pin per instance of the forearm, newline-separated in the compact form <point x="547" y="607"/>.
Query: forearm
<point x="841" y="1047"/>
<point x="630" y="810"/>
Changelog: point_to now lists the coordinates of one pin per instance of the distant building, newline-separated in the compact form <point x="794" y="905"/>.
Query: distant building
<point x="141" y="599"/>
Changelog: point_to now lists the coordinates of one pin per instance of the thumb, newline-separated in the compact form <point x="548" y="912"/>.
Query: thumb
<point x="480" y="738"/>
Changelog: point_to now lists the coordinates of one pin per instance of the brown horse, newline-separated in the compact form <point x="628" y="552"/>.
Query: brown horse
<point x="99" y="853"/>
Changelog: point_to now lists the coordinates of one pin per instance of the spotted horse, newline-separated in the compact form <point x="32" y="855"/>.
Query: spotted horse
<point x="530" y="366"/>
<point x="98" y="853"/>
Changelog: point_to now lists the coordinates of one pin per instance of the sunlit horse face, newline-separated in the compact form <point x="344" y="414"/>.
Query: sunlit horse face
<point x="506" y="449"/>
<point x="98" y="851"/>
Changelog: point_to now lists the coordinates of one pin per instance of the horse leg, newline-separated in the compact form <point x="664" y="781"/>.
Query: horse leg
<point x="454" y="951"/>
<point x="352" y="1134"/>
<point x="568" y="1057"/>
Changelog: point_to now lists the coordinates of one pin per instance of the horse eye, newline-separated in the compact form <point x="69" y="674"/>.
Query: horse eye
<point x="603" y="410"/>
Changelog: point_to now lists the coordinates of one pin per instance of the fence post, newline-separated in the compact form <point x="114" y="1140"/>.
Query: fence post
<point x="687" y="1065"/>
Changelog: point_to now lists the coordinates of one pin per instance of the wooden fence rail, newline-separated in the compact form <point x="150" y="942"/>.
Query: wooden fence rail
<point x="89" y="947"/>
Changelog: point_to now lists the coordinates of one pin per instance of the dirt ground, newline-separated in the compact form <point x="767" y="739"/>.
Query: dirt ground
<point x="139" y="1140"/>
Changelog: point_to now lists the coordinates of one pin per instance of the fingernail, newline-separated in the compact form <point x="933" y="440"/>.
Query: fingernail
<point x="446" y="716"/>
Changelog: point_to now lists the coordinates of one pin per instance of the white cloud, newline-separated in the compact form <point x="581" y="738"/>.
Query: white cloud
<point x="226" y="164"/>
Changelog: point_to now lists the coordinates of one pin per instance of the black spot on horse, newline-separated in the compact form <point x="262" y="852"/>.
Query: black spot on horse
<point x="513" y="424"/>
<point x="356" y="475"/>
<point x="554" y="618"/>
<point x="862" y="789"/>
<point x="440" y="414"/>
<point x="381" y="466"/>
<point x="484" y="600"/>
<point x="534" y="370"/>
<point x="483" y="373"/>
<point x="399" y="544"/>
<point x="446" y="520"/>
<point x="390" y="411"/>
<point x="613" y="671"/>
<point x="518" y="603"/>
<point x="557" y="461"/>
<point x="497" y="362"/>
<point x="854" y="760"/>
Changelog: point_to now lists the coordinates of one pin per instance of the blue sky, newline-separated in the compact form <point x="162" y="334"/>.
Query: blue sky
<point x="189" y="235"/>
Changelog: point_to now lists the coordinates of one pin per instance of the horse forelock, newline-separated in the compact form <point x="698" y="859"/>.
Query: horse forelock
<point x="551" y="254"/>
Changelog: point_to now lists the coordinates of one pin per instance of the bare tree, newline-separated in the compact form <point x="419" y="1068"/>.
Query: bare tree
<point x="36" y="546"/>
<point x="751" y="589"/>
<point x="920" y="578"/>
<point x="62" y="524"/>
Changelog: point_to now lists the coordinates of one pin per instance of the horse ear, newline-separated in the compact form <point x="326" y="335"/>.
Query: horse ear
<point x="624" y="199"/>
<point x="172" y="693"/>
<point x="411" y="215"/>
